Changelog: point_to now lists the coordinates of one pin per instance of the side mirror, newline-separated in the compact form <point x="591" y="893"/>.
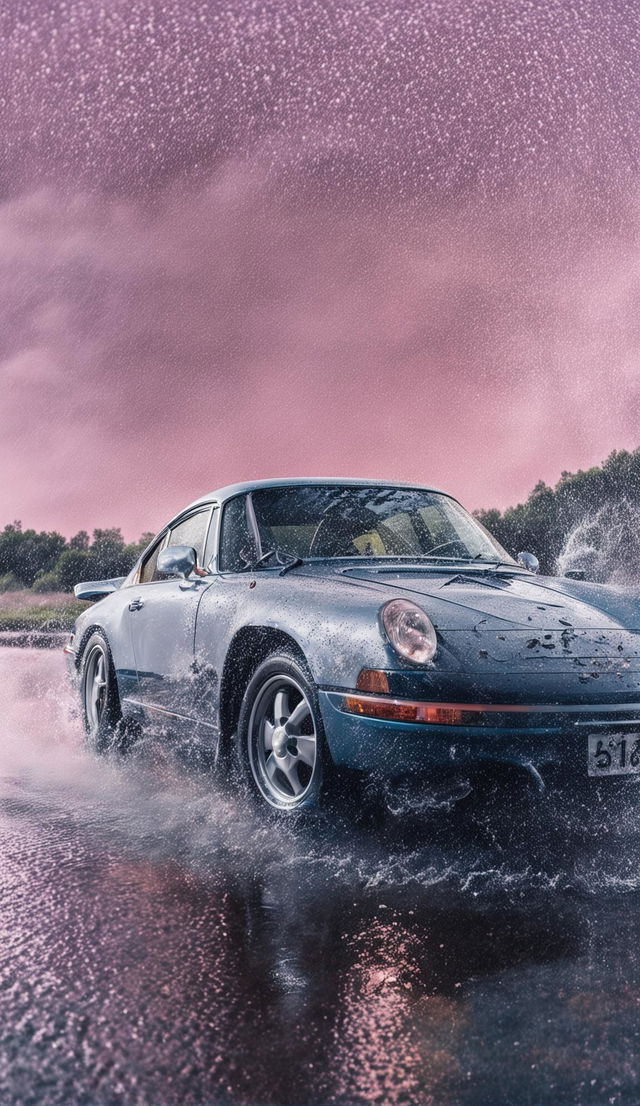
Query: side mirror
<point x="576" y="574"/>
<point x="529" y="561"/>
<point x="177" y="560"/>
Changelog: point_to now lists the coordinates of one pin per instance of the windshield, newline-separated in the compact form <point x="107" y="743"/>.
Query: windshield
<point x="333" y="520"/>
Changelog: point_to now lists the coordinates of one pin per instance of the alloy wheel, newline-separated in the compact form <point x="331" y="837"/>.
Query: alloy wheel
<point x="95" y="688"/>
<point x="283" y="743"/>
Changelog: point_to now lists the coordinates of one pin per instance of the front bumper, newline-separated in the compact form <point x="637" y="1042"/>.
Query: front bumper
<point x="537" y="735"/>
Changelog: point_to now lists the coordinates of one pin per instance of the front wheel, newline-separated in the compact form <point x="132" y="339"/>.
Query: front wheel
<point x="280" y="736"/>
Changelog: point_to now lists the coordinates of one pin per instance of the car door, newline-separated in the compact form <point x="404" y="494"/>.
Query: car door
<point x="217" y="614"/>
<point x="162" y="616"/>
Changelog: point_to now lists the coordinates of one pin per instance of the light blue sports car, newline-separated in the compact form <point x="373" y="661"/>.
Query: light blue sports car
<point x="309" y="626"/>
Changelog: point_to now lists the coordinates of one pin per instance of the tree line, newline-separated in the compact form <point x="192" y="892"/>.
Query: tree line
<point x="589" y="520"/>
<point x="47" y="561"/>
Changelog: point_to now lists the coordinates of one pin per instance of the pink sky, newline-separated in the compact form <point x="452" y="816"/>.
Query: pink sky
<point x="291" y="238"/>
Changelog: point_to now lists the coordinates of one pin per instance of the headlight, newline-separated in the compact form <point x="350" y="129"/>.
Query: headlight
<point x="410" y="631"/>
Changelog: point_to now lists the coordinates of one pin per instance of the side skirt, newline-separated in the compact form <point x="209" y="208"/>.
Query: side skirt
<point x="188" y="735"/>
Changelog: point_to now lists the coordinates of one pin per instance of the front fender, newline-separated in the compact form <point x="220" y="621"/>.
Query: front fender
<point x="337" y="630"/>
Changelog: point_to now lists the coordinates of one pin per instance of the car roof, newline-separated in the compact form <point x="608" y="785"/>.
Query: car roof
<point x="231" y="490"/>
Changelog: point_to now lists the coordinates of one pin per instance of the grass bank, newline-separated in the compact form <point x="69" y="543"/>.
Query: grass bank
<point x="25" y="610"/>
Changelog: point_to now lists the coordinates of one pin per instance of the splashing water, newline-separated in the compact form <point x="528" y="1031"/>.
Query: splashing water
<point x="605" y="544"/>
<point x="153" y="798"/>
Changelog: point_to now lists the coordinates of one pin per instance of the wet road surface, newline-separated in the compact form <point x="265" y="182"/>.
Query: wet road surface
<point x="161" y="945"/>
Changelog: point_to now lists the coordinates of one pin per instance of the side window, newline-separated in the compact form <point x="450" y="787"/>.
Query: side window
<point x="236" y="541"/>
<point x="192" y="531"/>
<point x="148" y="570"/>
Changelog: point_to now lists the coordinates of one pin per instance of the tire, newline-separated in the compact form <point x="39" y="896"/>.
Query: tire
<point x="280" y="740"/>
<point x="101" y="712"/>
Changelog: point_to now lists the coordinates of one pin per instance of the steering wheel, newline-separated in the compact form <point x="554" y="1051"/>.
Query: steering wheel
<point x="342" y="536"/>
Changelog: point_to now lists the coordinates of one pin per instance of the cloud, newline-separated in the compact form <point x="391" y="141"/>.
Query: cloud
<point x="150" y="354"/>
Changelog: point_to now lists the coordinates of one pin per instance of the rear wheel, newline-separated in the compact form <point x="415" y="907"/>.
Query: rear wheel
<point x="281" y="742"/>
<point x="101" y="713"/>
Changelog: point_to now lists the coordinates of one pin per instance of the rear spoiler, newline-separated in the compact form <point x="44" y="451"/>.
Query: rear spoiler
<point x="92" y="590"/>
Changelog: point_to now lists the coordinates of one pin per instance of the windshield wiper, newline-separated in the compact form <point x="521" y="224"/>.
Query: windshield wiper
<point x="285" y="560"/>
<point x="411" y="559"/>
<point x="293" y="563"/>
<point x="473" y="562"/>
<point x="479" y="560"/>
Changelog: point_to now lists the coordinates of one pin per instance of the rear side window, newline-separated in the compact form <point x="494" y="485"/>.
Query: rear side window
<point x="148" y="570"/>
<point x="237" y="547"/>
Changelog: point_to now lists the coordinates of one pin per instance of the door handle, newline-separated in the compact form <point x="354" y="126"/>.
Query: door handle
<point x="136" y="604"/>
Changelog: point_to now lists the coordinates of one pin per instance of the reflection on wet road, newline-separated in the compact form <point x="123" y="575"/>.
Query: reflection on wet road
<point x="163" y="946"/>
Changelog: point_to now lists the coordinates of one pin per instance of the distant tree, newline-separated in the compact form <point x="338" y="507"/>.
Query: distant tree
<point x="73" y="567"/>
<point x="26" y="554"/>
<point x="79" y="540"/>
<point x="109" y="553"/>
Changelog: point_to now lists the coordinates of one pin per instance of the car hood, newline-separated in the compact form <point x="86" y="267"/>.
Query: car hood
<point x="462" y="600"/>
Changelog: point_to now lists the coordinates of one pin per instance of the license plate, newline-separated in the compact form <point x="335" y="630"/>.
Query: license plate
<point x="613" y="754"/>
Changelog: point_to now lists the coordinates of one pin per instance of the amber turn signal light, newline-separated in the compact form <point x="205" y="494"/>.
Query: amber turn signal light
<point x="403" y="710"/>
<point x="373" y="679"/>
